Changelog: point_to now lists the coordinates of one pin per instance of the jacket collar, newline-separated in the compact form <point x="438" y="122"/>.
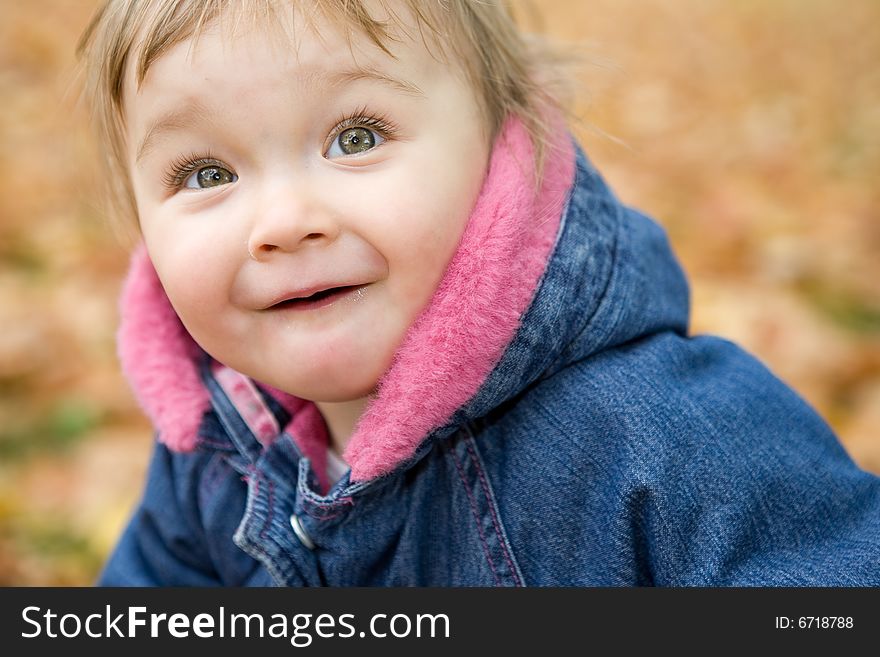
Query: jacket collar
<point x="445" y="357"/>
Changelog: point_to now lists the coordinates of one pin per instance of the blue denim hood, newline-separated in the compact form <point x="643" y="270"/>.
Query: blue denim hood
<point x="612" y="278"/>
<point x="605" y="447"/>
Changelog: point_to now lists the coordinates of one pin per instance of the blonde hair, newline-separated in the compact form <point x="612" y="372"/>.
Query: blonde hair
<point x="510" y="72"/>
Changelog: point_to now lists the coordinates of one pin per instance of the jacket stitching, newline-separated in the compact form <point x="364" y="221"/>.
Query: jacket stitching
<point x="333" y="511"/>
<point x="212" y="443"/>
<point x="243" y="533"/>
<point x="473" y="506"/>
<point x="270" y="503"/>
<point x="227" y="414"/>
<point x="495" y="523"/>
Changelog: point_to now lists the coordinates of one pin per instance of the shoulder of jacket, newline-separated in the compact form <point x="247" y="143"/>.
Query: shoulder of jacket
<point x="669" y="398"/>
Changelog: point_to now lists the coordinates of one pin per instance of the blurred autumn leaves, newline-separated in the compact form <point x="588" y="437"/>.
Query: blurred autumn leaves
<point x="750" y="130"/>
<point x="72" y="443"/>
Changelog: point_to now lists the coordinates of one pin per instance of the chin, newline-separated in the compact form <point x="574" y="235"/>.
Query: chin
<point x="330" y="393"/>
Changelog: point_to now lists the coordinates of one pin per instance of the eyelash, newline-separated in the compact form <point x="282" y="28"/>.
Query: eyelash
<point x="184" y="166"/>
<point x="364" y="118"/>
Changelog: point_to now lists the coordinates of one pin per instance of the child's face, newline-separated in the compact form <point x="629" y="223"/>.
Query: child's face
<point x="248" y="192"/>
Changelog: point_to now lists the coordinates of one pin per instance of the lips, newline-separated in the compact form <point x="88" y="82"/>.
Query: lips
<point x="315" y="296"/>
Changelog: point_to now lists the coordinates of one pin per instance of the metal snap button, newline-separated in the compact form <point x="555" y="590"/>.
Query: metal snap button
<point x="300" y="532"/>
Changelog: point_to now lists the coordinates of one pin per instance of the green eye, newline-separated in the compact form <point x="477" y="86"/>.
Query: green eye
<point x="212" y="176"/>
<point x="356" y="140"/>
<point x="353" y="141"/>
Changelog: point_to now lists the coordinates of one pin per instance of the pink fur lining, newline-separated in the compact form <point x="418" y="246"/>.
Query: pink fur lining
<point x="445" y="356"/>
<point x="157" y="355"/>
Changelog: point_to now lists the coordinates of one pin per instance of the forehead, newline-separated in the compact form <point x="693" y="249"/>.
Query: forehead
<point x="300" y="35"/>
<point x="244" y="52"/>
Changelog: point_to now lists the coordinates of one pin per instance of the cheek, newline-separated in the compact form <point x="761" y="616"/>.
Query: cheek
<point x="193" y="269"/>
<point x="419" y="253"/>
<point x="421" y="230"/>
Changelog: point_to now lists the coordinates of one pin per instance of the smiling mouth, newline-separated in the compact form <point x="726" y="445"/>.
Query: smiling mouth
<point x="317" y="300"/>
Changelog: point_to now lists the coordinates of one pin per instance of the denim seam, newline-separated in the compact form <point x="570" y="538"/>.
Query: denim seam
<point x="308" y="495"/>
<point x="317" y="516"/>
<point x="233" y="460"/>
<point x="328" y="511"/>
<point x="212" y="444"/>
<point x="476" y="514"/>
<point x="233" y="434"/>
<point x="219" y="401"/>
<point x="251" y="547"/>
<point x="491" y="503"/>
<point x="270" y="507"/>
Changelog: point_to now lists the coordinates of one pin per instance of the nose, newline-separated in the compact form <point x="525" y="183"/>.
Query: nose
<point x="290" y="216"/>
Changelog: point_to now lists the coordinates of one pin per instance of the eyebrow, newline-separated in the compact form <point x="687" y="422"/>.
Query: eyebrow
<point x="368" y="73"/>
<point x="177" y="119"/>
<point x="180" y="119"/>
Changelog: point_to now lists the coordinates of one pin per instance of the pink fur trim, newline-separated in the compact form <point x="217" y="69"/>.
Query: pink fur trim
<point x="158" y="357"/>
<point x="445" y="356"/>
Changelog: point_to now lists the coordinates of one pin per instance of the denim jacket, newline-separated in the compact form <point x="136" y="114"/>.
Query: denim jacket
<point x="604" y="447"/>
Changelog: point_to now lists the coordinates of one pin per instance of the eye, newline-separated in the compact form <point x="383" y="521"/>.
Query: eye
<point x="353" y="141"/>
<point x="212" y="176"/>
